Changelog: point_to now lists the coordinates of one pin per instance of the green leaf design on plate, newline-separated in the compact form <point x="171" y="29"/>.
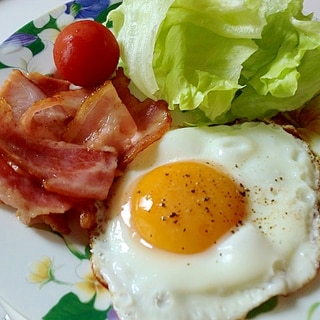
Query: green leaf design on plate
<point x="70" y="307"/>
<point x="37" y="46"/>
<point x="265" y="307"/>
<point x="2" y="66"/>
<point x="312" y="309"/>
<point x="87" y="252"/>
<point x="102" y="17"/>
<point x="72" y="248"/>
<point x="75" y="8"/>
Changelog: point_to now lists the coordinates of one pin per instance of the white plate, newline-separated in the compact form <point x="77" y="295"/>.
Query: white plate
<point x="43" y="273"/>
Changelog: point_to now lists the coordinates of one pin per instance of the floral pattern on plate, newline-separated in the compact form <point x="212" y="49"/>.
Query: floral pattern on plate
<point x="86" y="297"/>
<point x="30" y="48"/>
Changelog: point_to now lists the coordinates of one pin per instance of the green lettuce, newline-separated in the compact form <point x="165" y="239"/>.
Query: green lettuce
<point x="220" y="60"/>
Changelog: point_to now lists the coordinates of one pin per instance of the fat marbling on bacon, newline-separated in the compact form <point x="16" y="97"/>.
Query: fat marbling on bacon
<point x="62" y="148"/>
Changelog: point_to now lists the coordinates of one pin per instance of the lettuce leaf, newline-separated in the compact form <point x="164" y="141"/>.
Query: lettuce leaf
<point x="227" y="59"/>
<point x="136" y="24"/>
<point x="250" y="105"/>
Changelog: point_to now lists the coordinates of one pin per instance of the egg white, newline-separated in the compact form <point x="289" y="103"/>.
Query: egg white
<point x="276" y="251"/>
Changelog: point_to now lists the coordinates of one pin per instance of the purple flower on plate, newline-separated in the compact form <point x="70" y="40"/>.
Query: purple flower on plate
<point x="20" y="39"/>
<point x="112" y="315"/>
<point x="82" y="9"/>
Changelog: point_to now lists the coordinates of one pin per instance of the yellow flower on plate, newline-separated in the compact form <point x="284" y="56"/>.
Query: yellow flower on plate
<point x="89" y="287"/>
<point x="42" y="271"/>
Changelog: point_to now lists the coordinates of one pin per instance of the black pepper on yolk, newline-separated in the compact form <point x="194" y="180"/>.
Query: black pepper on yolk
<point x="185" y="207"/>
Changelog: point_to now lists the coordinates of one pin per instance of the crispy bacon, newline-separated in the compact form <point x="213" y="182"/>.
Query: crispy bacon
<point x="25" y="194"/>
<point x="49" y="85"/>
<point x="61" y="150"/>
<point x="48" y="118"/>
<point x="64" y="168"/>
<point x="151" y="117"/>
<point x="20" y="93"/>
<point x="102" y="120"/>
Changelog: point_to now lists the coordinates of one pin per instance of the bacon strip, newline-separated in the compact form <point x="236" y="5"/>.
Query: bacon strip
<point x="49" y="85"/>
<point x="20" y="93"/>
<point x="48" y="118"/>
<point x="151" y="117"/>
<point x="25" y="194"/>
<point x="102" y="120"/>
<point x="62" y="167"/>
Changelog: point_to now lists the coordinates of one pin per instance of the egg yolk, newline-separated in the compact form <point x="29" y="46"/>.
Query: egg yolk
<point x="185" y="207"/>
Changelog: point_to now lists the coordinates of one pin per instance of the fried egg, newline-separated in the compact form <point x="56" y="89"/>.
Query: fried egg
<point x="208" y="223"/>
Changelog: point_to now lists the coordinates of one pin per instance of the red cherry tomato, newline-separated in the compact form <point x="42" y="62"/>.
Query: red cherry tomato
<point x="86" y="53"/>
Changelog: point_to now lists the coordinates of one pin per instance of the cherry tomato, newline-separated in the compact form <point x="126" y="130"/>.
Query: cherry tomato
<point x="86" y="53"/>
